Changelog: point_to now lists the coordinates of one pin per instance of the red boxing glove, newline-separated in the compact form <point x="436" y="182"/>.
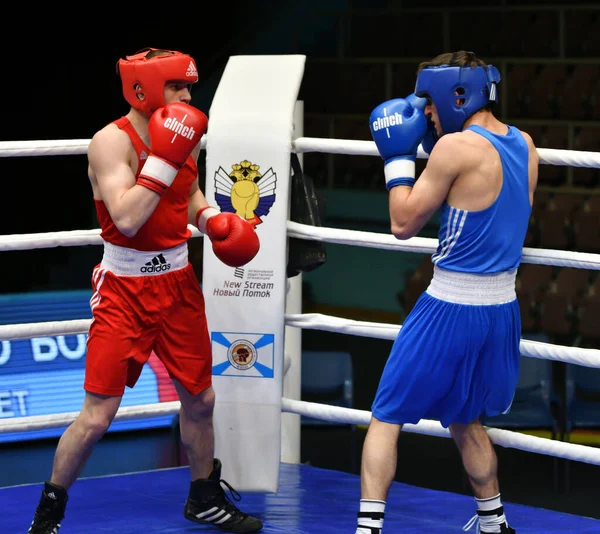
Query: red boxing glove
<point x="174" y="131"/>
<point x="234" y="240"/>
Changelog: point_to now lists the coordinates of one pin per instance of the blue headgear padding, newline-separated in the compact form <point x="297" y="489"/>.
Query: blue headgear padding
<point x="476" y="87"/>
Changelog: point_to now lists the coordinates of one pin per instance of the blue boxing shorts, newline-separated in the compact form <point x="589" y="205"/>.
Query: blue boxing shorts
<point x="456" y="357"/>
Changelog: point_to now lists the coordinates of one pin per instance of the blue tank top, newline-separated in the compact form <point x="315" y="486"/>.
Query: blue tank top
<point x="490" y="240"/>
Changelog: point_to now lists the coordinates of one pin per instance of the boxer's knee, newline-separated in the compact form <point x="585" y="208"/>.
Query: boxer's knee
<point x="200" y="406"/>
<point x="96" y="416"/>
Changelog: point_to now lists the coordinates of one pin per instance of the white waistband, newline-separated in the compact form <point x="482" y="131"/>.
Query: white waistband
<point x="467" y="288"/>
<point x="124" y="261"/>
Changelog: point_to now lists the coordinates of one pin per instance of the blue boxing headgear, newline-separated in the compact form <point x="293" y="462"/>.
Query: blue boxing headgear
<point x="472" y="87"/>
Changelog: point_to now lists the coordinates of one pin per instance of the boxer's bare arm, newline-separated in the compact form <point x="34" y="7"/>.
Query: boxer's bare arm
<point x="412" y="207"/>
<point x="534" y="162"/>
<point x="113" y="181"/>
<point x="197" y="201"/>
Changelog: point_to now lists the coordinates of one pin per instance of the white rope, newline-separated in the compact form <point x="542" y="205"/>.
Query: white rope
<point x="58" y="420"/>
<point x="548" y="156"/>
<point x="428" y="245"/>
<point x="61" y="147"/>
<point x="71" y="238"/>
<point x="44" y="329"/>
<point x="504" y="438"/>
<point x="317" y="321"/>
<point x="424" y="245"/>
<point x="571" y="158"/>
<point x="531" y="349"/>
<point x="350" y="147"/>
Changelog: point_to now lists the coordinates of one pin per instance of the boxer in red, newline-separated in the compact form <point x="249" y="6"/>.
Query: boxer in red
<point x="146" y="297"/>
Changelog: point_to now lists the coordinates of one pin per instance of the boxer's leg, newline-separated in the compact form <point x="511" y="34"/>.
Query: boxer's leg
<point x="184" y="348"/>
<point x="74" y="449"/>
<point x="378" y="468"/>
<point x="481" y="465"/>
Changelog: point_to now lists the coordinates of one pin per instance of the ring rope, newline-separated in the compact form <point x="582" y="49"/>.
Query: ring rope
<point x="424" y="245"/>
<point x="350" y="147"/>
<point x="548" y="156"/>
<point x="580" y="260"/>
<point x="62" y="147"/>
<point x="531" y="349"/>
<point x="11" y="332"/>
<point x="503" y="438"/>
<point x="68" y="238"/>
<point x="317" y="321"/>
<point x="31" y="423"/>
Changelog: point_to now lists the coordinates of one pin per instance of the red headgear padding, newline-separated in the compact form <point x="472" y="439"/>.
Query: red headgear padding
<point x="144" y="79"/>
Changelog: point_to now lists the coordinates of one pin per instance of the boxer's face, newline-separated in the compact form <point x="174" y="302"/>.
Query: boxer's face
<point x="432" y="113"/>
<point x="177" y="91"/>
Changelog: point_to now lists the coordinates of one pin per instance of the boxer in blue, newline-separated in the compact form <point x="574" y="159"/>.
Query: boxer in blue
<point x="456" y="357"/>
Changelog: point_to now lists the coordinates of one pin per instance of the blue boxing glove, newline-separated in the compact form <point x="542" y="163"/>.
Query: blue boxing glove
<point x="398" y="127"/>
<point x="417" y="101"/>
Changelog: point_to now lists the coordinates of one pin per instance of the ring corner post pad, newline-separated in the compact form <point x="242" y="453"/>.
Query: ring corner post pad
<point x="248" y="171"/>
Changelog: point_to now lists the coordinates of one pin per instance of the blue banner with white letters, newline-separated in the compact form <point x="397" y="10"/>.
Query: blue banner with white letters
<point x="44" y="375"/>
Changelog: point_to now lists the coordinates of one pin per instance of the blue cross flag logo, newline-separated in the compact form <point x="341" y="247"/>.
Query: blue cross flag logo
<point x="243" y="354"/>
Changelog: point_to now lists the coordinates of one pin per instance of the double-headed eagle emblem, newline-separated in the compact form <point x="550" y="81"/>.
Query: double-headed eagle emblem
<point x="245" y="190"/>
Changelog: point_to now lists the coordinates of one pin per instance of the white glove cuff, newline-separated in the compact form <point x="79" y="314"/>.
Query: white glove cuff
<point x="399" y="168"/>
<point x="206" y="214"/>
<point x="159" y="170"/>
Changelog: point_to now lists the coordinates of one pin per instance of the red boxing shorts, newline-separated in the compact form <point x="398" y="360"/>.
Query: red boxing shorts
<point x="145" y="301"/>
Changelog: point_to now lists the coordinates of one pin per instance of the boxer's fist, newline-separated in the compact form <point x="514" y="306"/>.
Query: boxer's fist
<point x="417" y="102"/>
<point x="234" y="240"/>
<point x="174" y="130"/>
<point x="397" y="127"/>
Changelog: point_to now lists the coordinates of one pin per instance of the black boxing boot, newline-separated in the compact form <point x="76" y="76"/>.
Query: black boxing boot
<point x="207" y="503"/>
<point x="50" y="510"/>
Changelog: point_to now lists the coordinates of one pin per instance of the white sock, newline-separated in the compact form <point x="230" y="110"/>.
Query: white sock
<point x="370" y="517"/>
<point x="491" y="514"/>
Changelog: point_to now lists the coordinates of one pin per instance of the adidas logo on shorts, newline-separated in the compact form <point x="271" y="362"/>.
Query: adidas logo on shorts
<point x="191" y="70"/>
<point x="156" y="265"/>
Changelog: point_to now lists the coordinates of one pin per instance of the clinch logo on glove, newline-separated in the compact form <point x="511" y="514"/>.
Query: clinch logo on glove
<point x="179" y="128"/>
<point x="386" y="122"/>
<point x="157" y="264"/>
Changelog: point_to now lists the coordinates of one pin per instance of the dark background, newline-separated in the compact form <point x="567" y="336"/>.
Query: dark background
<point x="59" y="82"/>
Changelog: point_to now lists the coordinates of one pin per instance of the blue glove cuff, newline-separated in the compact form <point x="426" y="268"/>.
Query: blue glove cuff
<point x="410" y="182"/>
<point x="399" y="171"/>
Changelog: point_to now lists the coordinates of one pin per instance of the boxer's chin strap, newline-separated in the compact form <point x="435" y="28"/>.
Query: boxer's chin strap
<point x="203" y="215"/>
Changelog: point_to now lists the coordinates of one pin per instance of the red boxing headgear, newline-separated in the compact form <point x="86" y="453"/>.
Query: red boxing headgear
<point x="144" y="79"/>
